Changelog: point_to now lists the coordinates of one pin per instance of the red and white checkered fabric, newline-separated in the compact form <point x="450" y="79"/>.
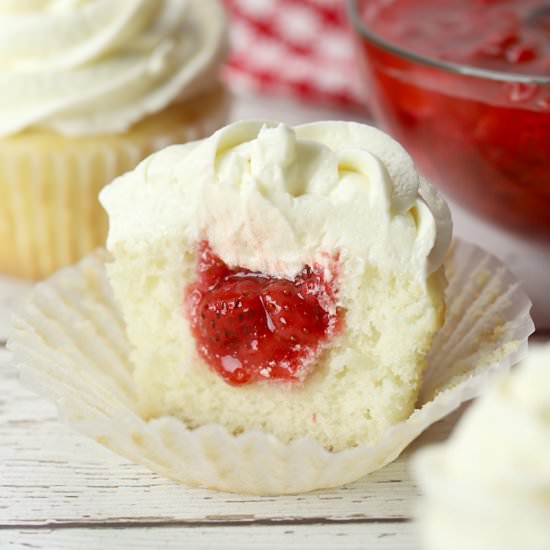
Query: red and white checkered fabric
<point x="297" y="48"/>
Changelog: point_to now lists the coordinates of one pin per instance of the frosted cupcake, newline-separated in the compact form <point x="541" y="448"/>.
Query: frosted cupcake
<point x="263" y="321"/>
<point x="280" y="279"/>
<point x="488" y="487"/>
<point x="88" y="88"/>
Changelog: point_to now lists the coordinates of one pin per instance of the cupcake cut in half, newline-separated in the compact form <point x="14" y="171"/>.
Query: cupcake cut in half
<point x="88" y="89"/>
<point x="280" y="279"/>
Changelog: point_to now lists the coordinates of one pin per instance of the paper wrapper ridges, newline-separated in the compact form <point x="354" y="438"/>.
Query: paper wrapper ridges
<point x="50" y="216"/>
<point x="70" y="344"/>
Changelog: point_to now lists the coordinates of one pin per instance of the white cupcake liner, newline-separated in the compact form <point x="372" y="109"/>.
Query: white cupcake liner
<point x="69" y="342"/>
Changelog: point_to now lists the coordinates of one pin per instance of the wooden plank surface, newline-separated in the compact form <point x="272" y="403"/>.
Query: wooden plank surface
<point x="321" y="537"/>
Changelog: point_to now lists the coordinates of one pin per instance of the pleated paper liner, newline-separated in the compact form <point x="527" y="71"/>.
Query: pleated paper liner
<point x="70" y="344"/>
<point x="50" y="216"/>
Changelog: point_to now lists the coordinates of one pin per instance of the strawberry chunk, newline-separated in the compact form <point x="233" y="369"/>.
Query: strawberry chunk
<point x="249" y="326"/>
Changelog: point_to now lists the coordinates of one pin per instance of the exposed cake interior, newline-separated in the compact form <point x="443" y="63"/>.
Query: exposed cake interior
<point x="273" y="209"/>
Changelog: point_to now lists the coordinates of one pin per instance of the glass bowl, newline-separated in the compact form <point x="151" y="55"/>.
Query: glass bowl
<point x="482" y="136"/>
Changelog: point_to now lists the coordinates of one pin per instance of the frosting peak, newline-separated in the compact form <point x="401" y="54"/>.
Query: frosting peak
<point x="97" y="66"/>
<point x="273" y="198"/>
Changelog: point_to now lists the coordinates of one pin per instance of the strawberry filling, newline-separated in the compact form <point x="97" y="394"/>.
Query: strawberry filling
<point x="249" y="326"/>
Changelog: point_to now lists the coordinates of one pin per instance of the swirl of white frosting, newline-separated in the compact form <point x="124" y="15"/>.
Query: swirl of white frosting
<point x="273" y="198"/>
<point x="489" y="486"/>
<point x="98" y="66"/>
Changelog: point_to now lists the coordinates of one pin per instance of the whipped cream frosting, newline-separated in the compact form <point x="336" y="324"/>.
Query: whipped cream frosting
<point x="97" y="66"/>
<point x="272" y="198"/>
<point x="489" y="486"/>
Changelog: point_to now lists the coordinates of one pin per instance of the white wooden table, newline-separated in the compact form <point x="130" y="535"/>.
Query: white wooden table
<point x="59" y="490"/>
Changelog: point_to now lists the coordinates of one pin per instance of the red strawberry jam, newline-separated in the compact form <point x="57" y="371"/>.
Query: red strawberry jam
<point x="502" y="35"/>
<point x="250" y="326"/>
<point x="485" y="140"/>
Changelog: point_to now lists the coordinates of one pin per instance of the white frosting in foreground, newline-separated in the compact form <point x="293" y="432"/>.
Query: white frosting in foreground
<point x="273" y="198"/>
<point x="98" y="66"/>
<point x="489" y="486"/>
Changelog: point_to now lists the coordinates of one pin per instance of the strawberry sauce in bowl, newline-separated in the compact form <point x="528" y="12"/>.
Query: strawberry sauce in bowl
<point x="465" y="86"/>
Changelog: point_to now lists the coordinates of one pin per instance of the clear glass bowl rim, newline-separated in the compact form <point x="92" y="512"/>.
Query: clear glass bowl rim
<point x="467" y="70"/>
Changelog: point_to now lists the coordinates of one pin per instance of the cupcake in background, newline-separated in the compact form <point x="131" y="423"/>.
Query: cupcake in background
<point x="88" y="88"/>
<point x="488" y="488"/>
